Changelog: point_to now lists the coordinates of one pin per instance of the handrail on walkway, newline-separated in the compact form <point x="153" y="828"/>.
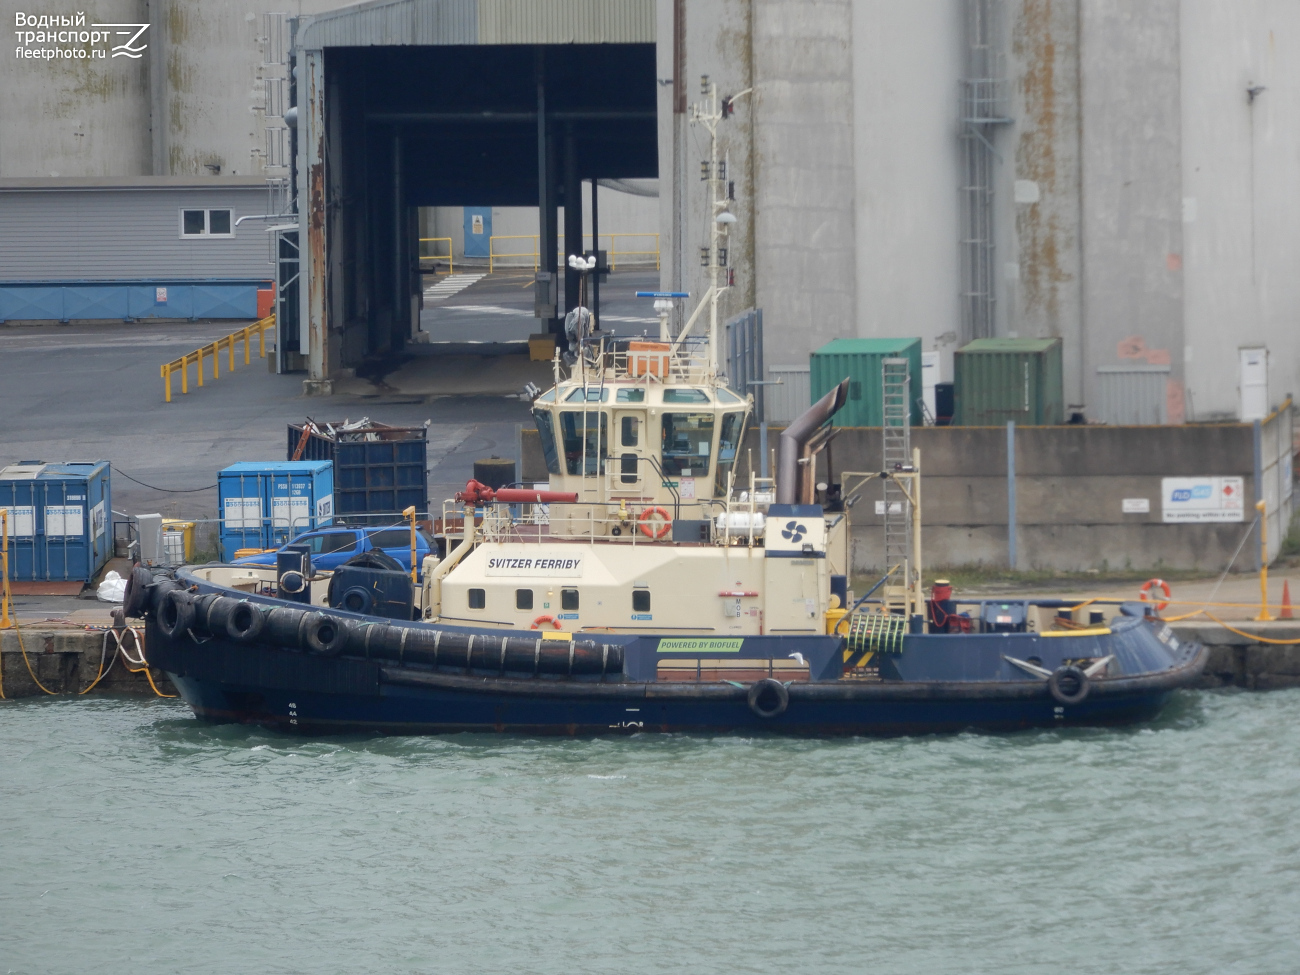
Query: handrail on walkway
<point x="213" y="350"/>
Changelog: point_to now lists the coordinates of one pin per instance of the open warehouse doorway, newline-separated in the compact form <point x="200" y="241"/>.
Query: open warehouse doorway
<point x="402" y="112"/>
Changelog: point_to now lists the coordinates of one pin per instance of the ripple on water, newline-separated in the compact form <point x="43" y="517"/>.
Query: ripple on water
<point x="138" y="840"/>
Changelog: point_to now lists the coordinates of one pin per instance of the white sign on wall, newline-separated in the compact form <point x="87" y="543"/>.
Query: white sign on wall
<point x="1202" y="499"/>
<point x="1136" y="506"/>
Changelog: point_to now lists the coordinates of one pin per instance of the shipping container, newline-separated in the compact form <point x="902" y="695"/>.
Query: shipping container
<point x="379" y="471"/>
<point x="996" y="380"/>
<point x="860" y="361"/>
<point x="265" y="504"/>
<point x="59" y="519"/>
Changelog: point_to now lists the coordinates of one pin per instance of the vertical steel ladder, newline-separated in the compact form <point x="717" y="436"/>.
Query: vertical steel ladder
<point x="896" y="417"/>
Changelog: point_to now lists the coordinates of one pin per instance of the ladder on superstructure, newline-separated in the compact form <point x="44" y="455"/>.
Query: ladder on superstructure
<point x="897" y="440"/>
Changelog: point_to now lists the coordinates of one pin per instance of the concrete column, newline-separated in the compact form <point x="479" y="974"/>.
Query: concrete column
<point x="1042" y="274"/>
<point x="1131" y="190"/>
<point x="315" y="325"/>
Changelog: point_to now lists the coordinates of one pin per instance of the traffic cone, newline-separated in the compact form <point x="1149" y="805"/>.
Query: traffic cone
<point x="1285" y="614"/>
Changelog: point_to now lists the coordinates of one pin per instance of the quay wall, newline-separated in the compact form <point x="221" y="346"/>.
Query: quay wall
<point x="67" y="662"/>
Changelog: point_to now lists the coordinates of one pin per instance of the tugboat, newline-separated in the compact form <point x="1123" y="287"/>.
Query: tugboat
<point x="658" y="583"/>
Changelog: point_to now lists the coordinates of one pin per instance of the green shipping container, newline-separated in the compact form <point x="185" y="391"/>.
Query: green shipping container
<point x="860" y="360"/>
<point x="996" y="380"/>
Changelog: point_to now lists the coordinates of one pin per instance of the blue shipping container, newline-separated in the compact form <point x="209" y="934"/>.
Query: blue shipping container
<point x="60" y="519"/>
<point x="265" y="504"/>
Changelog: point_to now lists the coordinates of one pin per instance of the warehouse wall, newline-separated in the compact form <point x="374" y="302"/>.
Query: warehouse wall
<point x="53" y="231"/>
<point x="1241" y="189"/>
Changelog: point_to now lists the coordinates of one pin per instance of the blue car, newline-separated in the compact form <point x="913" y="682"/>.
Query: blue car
<point x="331" y="547"/>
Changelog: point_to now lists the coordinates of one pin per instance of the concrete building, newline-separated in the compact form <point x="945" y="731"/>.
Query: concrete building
<point x="1121" y="175"/>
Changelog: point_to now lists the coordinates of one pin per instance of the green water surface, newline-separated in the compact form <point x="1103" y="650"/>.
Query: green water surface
<point x="135" y="840"/>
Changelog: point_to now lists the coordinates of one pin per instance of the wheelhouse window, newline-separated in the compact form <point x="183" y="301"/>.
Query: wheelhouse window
<point x="630" y="396"/>
<point x="207" y="223"/>
<point x="687" y="443"/>
<point x="477" y="598"/>
<point x="585" y="437"/>
<point x="546" y="433"/>
<point x="685" y="396"/>
<point x="523" y="599"/>
<point x="640" y="600"/>
<point x="589" y="394"/>
<point x="568" y="599"/>
<point x="733" y="431"/>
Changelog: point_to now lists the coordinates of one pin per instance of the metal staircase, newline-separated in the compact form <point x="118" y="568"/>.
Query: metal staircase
<point x="895" y="385"/>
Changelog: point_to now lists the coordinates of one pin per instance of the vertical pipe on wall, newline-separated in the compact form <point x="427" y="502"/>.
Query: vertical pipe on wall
<point x="595" y="250"/>
<point x="1257" y="445"/>
<point x="1012" y="554"/>
<point x="314" y="339"/>
<point x="572" y="218"/>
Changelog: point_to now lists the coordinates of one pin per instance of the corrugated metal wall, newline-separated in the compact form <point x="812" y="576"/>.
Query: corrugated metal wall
<point x="787" y="400"/>
<point x="1132" y="395"/>
<point x="406" y="22"/>
<point x="126" y="234"/>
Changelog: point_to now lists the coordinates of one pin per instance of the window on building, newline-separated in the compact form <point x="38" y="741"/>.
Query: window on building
<point x="207" y="223"/>
<point x="523" y="599"/>
<point x="477" y="598"/>
<point x="640" y="600"/>
<point x="568" y="599"/>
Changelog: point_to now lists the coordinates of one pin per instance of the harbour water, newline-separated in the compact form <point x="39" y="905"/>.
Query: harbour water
<point x="134" y="839"/>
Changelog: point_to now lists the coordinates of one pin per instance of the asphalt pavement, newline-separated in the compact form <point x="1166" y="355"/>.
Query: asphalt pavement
<point x="94" y="392"/>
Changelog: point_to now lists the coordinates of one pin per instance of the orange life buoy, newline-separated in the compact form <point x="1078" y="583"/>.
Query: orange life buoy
<point x="648" y="530"/>
<point x="1152" y="584"/>
<point x="545" y="619"/>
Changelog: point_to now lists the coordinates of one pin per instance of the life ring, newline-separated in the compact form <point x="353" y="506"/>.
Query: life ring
<point x="768" y="697"/>
<point x="545" y="619"/>
<point x="665" y="525"/>
<point x="1152" y="584"/>
<point x="1068" y="684"/>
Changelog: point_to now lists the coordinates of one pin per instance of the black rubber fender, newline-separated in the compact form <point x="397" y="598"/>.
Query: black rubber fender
<point x="245" y="621"/>
<point x="1068" y="684"/>
<point x="768" y="697"/>
<point x="176" y="613"/>
<point x="158" y="592"/>
<point x="325" y="634"/>
<point x="136" y="600"/>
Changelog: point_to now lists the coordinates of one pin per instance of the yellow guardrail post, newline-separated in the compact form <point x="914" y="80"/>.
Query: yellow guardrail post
<point x="5" y="621"/>
<point x="213" y="349"/>
<point x="449" y="257"/>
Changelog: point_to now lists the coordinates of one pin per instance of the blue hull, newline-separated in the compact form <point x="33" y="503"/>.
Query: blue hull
<point x="265" y="661"/>
<point x="413" y="710"/>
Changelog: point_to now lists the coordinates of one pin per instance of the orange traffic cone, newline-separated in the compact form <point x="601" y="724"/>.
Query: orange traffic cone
<point x="1286" y="601"/>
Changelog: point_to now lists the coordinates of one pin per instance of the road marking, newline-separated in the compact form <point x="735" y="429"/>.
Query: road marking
<point x="452" y="284"/>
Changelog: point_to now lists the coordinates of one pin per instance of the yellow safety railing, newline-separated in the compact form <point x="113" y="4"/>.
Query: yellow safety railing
<point x="213" y="351"/>
<point x="495" y="255"/>
<point x="612" y="252"/>
<point x="451" y="268"/>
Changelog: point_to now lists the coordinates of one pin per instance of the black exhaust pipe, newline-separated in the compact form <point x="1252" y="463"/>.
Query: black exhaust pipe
<point x="793" y="440"/>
